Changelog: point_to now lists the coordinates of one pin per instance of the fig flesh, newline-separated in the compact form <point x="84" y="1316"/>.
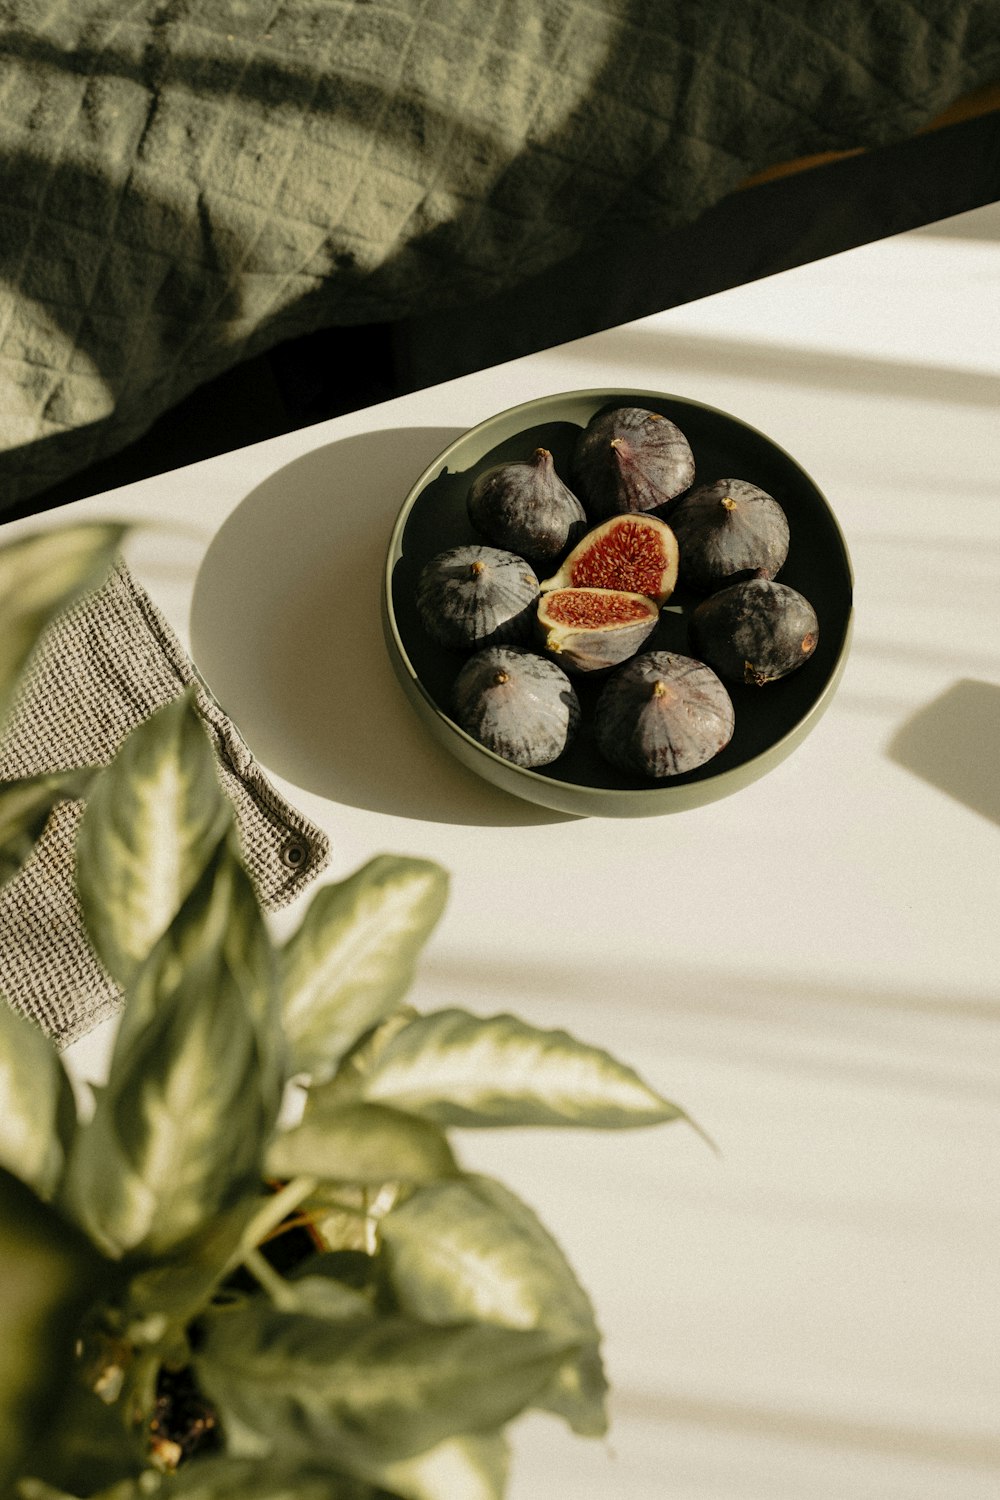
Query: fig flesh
<point x="635" y="552"/>
<point x="727" y="531"/>
<point x="526" y="508"/>
<point x="470" y="596"/>
<point x="755" y="632"/>
<point x="593" y="628"/>
<point x="662" y="714"/>
<point x="517" y="703"/>
<point x="630" y="459"/>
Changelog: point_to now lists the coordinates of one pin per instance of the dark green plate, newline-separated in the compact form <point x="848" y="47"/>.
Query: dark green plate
<point x="770" y="721"/>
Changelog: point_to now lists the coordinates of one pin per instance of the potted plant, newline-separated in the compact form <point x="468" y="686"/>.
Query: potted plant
<point x="254" y="1265"/>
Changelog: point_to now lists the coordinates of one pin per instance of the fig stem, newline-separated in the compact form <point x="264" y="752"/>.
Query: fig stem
<point x="501" y="677"/>
<point x="477" y="567"/>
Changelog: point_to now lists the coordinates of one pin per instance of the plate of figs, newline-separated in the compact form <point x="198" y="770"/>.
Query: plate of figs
<point x="617" y="603"/>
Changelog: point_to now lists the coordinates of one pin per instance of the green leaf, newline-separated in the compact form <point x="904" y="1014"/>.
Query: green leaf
<point x="458" y="1069"/>
<point x="366" y="1392"/>
<point x="177" y="1287"/>
<point x="320" y="1291"/>
<point x="469" y="1249"/>
<point x="216" y="1478"/>
<point x="41" y="575"/>
<point x="48" y="1275"/>
<point x="86" y="1448"/>
<point x="361" y="1143"/>
<point x="25" y="806"/>
<point x="473" y="1467"/>
<point x="153" y="820"/>
<point x="243" y="1479"/>
<point x="37" y="1108"/>
<point x="194" y="1086"/>
<point x="352" y="959"/>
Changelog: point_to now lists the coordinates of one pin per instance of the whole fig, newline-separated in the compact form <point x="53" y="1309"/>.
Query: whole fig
<point x="630" y="459"/>
<point x="518" y="704"/>
<point x="470" y="596"/>
<point x="755" y="632"/>
<point x="726" y="531"/>
<point x="662" y="714"/>
<point x="526" y="508"/>
<point x="634" y="552"/>
<point x="593" y="628"/>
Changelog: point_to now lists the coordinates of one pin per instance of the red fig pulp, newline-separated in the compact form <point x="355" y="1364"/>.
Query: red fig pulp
<point x="637" y="553"/>
<point x="588" y="629"/>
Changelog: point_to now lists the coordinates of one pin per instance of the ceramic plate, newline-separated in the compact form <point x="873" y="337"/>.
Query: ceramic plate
<point x="770" y="721"/>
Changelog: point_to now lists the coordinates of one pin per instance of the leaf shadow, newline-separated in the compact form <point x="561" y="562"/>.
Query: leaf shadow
<point x="950" y="742"/>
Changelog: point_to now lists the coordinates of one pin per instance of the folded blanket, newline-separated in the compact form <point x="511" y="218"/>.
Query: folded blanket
<point x="100" y="669"/>
<point x="188" y="182"/>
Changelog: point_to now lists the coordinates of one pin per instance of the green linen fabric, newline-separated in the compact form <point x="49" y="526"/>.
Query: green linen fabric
<point x="185" y="183"/>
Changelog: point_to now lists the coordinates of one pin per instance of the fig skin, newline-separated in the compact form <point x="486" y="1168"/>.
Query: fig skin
<point x="470" y="596"/>
<point x="526" y="508"/>
<point x="518" y="704"/>
<point x="756" y="632"/>
<point x="630" y="459"/>
<point x="727" y="531"/>
<point x="662" y="714"/>
<point x="635" y="552"/>
<point x="589" y="629"/>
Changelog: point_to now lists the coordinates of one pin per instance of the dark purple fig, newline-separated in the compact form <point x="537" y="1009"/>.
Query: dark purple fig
<point x="468" y="597"/>
<point x="637" y="553"/>
<point x="518" y="704"/>
<point x="662" y="714"/>
<point x="630" y="459"/>
<point x="727" y="531"/>
<point x="593" y="628"/>
<point x="526" y="507"/>
<point x="755" y="631"/>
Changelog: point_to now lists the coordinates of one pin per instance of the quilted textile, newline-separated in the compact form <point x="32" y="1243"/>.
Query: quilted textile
<point x="187" y="182"/>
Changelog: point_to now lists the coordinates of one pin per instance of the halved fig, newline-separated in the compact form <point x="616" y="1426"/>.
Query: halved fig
<point x="593" y="628"/>
<point x="518" y="704"/>
<point x="662" y="714"/>
<point x="630" y="459"/>
<point x="524" y="506"/>
<point x="637" y="553"/>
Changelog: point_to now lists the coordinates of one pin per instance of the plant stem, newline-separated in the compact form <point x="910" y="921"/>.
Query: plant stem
<point x="277" y="1288"/>
<point x="269" y="1216"/>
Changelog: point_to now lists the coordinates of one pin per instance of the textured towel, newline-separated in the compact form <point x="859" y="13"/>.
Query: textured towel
<point x="100" y="669"/>
<point x="186" y="183"/>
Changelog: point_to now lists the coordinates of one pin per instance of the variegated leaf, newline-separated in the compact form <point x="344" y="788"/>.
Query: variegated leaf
<point x="153" y="820"/>
<point x="459" y="1069"/>
<point x="37" y="1108"/>
<point x="178" y="1132"/>
<point x="41" y="575"/>
<point x="25" y="806"/>
<point x="469" y="1249"/>
<point x="48" y="1275"/>
<point x="470" y="1467"/>
<point x="361" y="1143"/>
<point x="352" y="959"/>
<point x="372" y="1391"/>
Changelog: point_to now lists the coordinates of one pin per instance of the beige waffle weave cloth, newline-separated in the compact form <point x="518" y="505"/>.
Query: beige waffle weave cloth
<point x="100" y="669"/>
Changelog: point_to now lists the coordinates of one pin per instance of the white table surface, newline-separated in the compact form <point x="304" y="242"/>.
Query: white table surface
<point x="809" y="967"/>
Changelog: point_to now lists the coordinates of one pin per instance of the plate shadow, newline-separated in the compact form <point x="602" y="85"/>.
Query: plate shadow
<point x="286" y="630"/>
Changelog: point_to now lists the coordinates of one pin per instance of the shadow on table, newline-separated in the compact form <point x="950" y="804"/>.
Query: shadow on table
<point x="951" y="742"/>
<point x="286" y="629"/>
